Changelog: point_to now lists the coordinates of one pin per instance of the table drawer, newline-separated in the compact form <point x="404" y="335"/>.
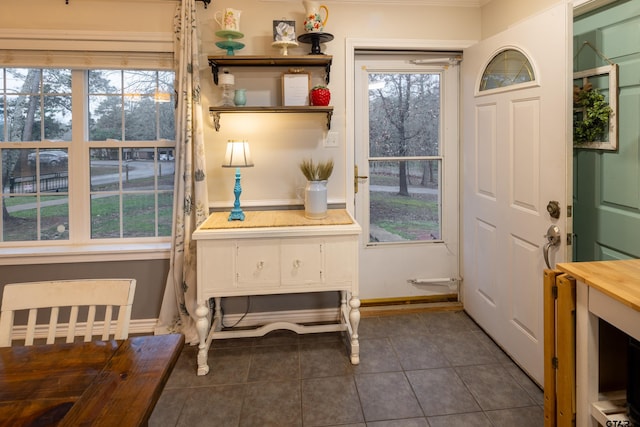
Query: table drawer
<point x="257" y="262"/>
<point x="301" y="262"/>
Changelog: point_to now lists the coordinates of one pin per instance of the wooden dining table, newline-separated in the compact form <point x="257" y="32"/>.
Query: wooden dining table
<point x="99" y="383"/>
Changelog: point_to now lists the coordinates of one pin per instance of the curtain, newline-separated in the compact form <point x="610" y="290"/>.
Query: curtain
<point x="190" y="207"/>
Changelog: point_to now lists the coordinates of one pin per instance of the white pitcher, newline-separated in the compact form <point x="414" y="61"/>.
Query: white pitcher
<point x="228" y="19"/>
<point x="314" y="21"/>
<point x="315" y="200"/>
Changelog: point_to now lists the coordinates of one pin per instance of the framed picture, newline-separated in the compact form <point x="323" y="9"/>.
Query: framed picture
<point x="295" y="88"/>
<point x="284" y="31"/>
<point x="595" y="108"/>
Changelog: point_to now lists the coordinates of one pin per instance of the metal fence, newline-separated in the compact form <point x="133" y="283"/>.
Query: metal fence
<point x="51" y="182"/>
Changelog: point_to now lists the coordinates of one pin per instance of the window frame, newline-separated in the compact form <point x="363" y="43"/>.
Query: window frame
<point x="479" y="91"/>
<point x="82" y="248"/>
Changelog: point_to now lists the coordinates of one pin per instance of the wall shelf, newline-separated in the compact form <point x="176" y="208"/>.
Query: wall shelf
<point x="216" y="111"/>
<point x="270" y="61"/>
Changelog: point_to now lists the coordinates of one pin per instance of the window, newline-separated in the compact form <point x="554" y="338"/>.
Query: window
<point x="87" y="155"/>
<point x="405" y="157"/>
<point x="507" y="68"/>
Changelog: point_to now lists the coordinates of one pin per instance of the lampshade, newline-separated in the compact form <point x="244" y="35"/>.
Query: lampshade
<point x="238" y="155"/>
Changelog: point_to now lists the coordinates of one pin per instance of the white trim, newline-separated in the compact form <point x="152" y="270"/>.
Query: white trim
<point x="86" y="60"/>
<point x="26" y="255"/>
<point x="93" y="41"/>
<point x="581" y="7"/>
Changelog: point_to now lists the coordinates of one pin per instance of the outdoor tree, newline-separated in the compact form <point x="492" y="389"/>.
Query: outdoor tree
<point x="404" y="120"/>
<point x="20" y="111"/>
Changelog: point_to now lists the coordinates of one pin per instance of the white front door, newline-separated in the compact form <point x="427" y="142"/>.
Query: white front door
<point x="516" y="145"/>
<point x="406" y="150"/>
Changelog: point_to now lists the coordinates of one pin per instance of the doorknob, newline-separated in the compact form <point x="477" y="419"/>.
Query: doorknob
<point x="553" y="239"/>
<point x="356" y="177"/>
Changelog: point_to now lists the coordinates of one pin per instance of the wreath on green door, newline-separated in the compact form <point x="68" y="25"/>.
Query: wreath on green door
<point x="592" y="113"/>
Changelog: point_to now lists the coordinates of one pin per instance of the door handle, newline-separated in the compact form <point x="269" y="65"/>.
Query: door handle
<point x="553" y="239"/>
<point x="356" y="177"/>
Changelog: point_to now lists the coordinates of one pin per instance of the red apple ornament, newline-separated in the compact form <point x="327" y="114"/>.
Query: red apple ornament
<point x="320" y="96"/>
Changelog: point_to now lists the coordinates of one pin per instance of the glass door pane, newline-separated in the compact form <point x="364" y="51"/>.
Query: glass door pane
<point x="405" y="162"/>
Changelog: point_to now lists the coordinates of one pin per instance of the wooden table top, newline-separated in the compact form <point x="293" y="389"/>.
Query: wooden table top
<point x="619" y="279"/>
<point x="112" y="383"/>
<point x="274" y="218"/>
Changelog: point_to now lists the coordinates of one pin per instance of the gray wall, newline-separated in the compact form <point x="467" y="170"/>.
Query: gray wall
<point x="150" y="278"/>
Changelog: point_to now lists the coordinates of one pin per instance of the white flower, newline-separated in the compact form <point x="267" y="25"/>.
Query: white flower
<point x="285" y="32"/>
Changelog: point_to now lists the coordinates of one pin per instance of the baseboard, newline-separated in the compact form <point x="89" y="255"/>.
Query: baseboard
<point x="423" y="299"/>
<point x="136" y="326"/>
<point x="397" y="309"/>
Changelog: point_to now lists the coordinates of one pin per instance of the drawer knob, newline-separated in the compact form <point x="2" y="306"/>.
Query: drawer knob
<point x="297" y="263"/>
<point x="260" y="265"/>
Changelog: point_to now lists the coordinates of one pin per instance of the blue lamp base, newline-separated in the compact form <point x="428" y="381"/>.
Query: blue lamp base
<point x="236" y="213"/>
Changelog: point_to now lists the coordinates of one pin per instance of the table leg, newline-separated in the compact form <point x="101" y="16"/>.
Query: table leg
<point x="587" y="348"/>
<point x="217" y="317"/>
<point x="354" y="319"/>
<point x="202" y="326"/>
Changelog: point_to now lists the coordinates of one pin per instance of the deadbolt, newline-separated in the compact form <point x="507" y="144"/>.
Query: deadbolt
<point x="553" y="208"/>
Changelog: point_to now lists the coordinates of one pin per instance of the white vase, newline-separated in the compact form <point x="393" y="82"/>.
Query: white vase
<point x="315" y="200"/>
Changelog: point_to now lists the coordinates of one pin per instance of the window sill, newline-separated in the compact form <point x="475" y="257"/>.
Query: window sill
<point x="84" y="253"/>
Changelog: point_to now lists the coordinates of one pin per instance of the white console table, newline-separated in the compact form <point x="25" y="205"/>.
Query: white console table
<point x="607" y="290"/>
<point x="276" y="252"/>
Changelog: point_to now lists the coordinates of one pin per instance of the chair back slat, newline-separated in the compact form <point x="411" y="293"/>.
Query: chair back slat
<point x="31" y="326"/>
<point x="77" y="297"/>
<point x="91" y="317"/>
<point x="6" y="322"/>
<point x="108" y="315"/>
<point x="53" y="325"/>
<point x="73" y="323"/>
<point x="122" y="327"/>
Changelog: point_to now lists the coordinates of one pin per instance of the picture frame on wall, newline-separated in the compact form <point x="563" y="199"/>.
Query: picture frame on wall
<point x="295" y="88"/>
<point x="595" y="108"/>
<point x="284" y="31"/>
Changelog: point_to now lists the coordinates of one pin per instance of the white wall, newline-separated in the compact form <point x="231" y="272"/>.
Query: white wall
<point x="498" y="15"/>
<point x="279" y="142"/>
<point x="88" y="15"/>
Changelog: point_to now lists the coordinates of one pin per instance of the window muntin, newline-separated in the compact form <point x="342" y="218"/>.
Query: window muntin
<point x="507" y="68"/>
<point x="42" y="174"/>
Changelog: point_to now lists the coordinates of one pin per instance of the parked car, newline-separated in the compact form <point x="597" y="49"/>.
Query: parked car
<point x="50" y="158"/>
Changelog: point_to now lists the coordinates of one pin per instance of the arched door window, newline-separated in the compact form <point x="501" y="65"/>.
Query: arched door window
<point x="509" y="67"/>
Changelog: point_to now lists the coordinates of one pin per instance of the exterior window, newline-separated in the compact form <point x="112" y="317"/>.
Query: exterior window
<point x="109" y="176"/>
<point x="507" y="68"/>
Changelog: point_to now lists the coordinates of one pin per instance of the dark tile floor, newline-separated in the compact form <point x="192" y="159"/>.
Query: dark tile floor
<point x="428" y="369"/>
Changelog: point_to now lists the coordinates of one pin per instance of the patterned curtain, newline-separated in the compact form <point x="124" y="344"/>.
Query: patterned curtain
<point x="190" y="207"/>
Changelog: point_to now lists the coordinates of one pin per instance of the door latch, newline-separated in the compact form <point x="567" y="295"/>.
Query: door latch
<point x="356" y="179"/>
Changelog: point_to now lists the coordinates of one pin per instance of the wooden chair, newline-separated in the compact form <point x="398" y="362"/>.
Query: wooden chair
<point x="53" y="295"/>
